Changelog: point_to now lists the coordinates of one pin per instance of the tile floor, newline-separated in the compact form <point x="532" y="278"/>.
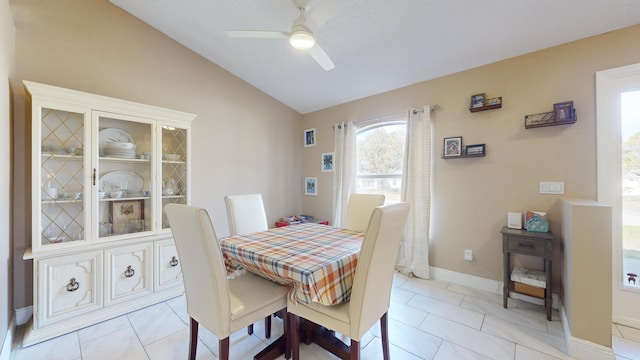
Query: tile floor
<point x="429" y="319"/>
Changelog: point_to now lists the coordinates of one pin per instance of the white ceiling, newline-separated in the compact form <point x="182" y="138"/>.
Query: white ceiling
<point x="376" y="45"/>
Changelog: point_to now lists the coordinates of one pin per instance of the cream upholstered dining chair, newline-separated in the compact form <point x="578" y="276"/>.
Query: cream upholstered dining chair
<point x="246" y="215"/>
<point x="359" y="209"/>
<point x="371" y="290"/>
<point x="222" y="305"/>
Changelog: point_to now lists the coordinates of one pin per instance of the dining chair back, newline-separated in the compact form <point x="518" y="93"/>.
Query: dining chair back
<point x="245" y="213"/>
<point x="371" y="289"/>
<point x="359" y="210"/>
<point x="222" y="305"/>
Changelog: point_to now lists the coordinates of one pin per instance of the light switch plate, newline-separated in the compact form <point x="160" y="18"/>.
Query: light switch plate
<point x="552" y="187"/>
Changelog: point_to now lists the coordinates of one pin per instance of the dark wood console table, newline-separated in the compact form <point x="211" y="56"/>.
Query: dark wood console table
<point x="528" y="243"/>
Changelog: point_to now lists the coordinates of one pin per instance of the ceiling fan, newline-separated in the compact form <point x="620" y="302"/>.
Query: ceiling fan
<point x="301" y="36"/>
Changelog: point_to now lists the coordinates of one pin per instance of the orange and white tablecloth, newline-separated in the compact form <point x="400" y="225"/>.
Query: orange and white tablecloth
<point x="318" y="260"/>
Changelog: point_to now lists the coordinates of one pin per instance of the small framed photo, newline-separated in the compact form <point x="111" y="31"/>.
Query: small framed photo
<point x="327" y="162"/>
<point x="127" y="216"/>
<point x="310" y="137"/>
<point x="563" y="110"/>
<point x="474" y="149"/>
<point x="477" y="100"/>
<point x="311" y="186"/>
<point x="452" y="146"/>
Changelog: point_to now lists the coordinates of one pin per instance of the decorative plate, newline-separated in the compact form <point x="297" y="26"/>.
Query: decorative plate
<point x="111" y="134"/>
<point x="117" y="180"/>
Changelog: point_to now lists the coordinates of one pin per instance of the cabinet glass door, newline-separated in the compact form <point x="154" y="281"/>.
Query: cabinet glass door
<point x="62" y="176"/>
<point x="125" y="167"/>
<point x="174" y="168"/>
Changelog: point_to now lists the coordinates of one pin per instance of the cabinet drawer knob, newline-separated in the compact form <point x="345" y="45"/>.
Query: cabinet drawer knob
<point x="73" y="285"/>
<point x="129" y="272"/>
<point x="173" y="262"/>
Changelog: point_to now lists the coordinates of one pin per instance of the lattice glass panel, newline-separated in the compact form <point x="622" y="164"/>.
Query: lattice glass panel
<point x="62" y="169"/>
<point x="174" y="172"/>
<point x="174" y="141"/>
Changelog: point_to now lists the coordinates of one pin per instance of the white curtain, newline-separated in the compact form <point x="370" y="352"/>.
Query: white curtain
<point x="413" y="259"/>
<point x="344" y="167"/>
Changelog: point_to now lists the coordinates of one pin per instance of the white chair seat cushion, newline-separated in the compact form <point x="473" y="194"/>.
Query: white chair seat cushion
<point x="249" y="294"/>
<point x="335" y="317"/>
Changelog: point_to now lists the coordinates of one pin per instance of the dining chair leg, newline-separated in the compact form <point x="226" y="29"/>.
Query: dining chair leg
<point x="193" y="339"/>
<point x="384" y="330"/>
<point x="250" y="329"/>
<point x="294" y="324"/>
<point x="267" y="327"/>
<point x="287" y="334"/>
<point x="354" y="350"/>
<point x="223" y="345"/>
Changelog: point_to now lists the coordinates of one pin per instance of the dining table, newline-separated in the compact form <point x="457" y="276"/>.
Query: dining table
<point x="317" y="261"/>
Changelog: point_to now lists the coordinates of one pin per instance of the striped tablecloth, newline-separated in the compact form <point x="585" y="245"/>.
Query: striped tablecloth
<point x="318" y="260"/>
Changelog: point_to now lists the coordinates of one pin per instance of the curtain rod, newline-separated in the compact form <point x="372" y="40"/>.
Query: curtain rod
<point x="414" y="111"/>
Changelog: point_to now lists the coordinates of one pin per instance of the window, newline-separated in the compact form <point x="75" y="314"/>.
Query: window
<point x="379" y="159"/>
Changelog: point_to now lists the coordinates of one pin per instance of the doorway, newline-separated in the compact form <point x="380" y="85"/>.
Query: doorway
<point x="618" y="178"/>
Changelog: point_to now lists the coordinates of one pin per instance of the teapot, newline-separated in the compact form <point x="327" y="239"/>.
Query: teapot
<point x="169" y="187"/>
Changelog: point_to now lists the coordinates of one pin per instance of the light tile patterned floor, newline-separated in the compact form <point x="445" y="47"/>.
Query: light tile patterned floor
<point x="429" y="319"/>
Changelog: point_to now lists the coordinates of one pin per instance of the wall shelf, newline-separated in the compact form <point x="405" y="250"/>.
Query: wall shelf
<point x="463" y="156"/>
<point x="488" y="104"/>
<point x="548" y="119"/>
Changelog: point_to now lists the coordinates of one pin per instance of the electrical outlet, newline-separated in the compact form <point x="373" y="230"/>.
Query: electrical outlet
<point x="468" y="255"/>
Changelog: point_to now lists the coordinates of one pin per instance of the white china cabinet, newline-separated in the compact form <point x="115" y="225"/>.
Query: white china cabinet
<point x="102" y="171"/>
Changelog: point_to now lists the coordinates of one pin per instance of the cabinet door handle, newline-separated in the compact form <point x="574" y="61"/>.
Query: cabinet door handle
<point x="173" y="262"/>
<point x="129" y="272"/>
<point x="93" y="176"/>
<point x="73" y="285"/>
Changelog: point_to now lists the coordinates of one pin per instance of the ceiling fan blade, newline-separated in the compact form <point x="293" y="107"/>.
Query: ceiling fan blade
<point x="321" y="57"/>
<point x="256" y="34"/>
<point x="323" y="12"/>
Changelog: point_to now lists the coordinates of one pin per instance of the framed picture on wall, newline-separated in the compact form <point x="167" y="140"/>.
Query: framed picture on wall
<point x="563" y="110"/>
<point x="477" y="100"/>
<point x="311" y="186"/>
<point x="310" y="137"/>
<point x="452" y="146"/>
<point x="474" y="149"/>
<point x="327" y="162"/>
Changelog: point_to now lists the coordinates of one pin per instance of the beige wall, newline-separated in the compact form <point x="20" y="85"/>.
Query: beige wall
<point x="585" y="235"/>
<point x="472" y="196"/>
<point x="243" y="140"/>
<point x="7" y="52"/>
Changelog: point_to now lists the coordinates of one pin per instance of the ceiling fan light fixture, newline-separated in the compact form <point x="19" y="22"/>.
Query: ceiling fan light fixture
<point x="302" y="39"/>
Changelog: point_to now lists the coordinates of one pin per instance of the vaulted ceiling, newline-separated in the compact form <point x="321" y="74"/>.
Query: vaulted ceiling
<point x="376" y="45"/>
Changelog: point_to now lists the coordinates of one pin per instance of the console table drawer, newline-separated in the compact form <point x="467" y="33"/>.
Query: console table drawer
<point x="535" y="247"/>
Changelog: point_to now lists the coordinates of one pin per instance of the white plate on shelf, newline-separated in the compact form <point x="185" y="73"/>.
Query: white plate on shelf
<point x="110" y="134"/>
<point x="119" y="178"/>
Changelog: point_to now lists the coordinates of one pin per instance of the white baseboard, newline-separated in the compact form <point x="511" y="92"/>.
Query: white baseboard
<point x="583" y="349"/>
<point x="626" y="321"/>
<point x="466" y="280"/>
<point x="23" y="315"/>
<point x="5" y="351"/>
<point x="479" y="283"/>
